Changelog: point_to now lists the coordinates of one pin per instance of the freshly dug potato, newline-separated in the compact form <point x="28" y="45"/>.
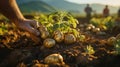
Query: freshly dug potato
<point x="111" y="40"/>
<point x="91" y="25"/>
<point x="69" y="39"/>
<point x="49" y="42"/>
<point x="118" y="36"/>
<point x="44" y="32"/>
<point x="53" y="59"/>
<point x="88" y="28"/>
<point x="96" y="30"/>
<point x="58" y="36"/>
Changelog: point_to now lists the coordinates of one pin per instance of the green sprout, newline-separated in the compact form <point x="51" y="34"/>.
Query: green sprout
<point x="81" y="37"/>
<point x="3" y="28"/>
<point x="104" y="23"/>
<point x="89" y="49"/>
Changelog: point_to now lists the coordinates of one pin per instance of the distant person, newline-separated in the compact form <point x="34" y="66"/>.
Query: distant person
<point x="106" y="11"/>
<point x="119" y="12"/>
<point x="88" y="11"/>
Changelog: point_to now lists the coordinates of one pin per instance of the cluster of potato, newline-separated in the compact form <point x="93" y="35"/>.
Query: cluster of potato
<point x="97" y="30"/>
<point x="57" y="37"/>
<point x="92" y="28"/>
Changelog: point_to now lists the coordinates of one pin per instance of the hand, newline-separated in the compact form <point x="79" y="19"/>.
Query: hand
<point x="31" y="27"/>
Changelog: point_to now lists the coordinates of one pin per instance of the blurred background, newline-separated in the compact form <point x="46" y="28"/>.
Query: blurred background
<point x="76" y="7"/>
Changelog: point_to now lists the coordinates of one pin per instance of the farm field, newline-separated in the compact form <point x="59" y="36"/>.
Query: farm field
<point x="95" y="43"/>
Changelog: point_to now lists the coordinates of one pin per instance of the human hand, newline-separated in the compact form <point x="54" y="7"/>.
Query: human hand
<point x="31" y="27"/>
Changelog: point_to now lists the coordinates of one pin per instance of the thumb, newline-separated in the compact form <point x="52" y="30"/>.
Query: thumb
<point x="33" y="34"/>
<point x="32" y="30"/>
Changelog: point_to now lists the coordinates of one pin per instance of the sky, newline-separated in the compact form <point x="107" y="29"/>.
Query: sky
<point x="105" y="2"/>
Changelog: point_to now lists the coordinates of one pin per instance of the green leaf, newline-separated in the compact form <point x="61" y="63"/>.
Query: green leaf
<point x="75" y="32"/>
<point x="89" y="49"/>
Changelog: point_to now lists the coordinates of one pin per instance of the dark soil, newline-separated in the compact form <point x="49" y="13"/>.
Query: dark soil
<point x="18" y="50"/>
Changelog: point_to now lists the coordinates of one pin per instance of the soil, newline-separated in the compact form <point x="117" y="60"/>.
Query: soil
<point x="18" y="50"/>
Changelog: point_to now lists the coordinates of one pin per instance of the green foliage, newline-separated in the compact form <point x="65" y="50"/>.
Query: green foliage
<point x="3" y="28"/>
<point x="81" y="37"/>
<point x="105" y="23"/>
<point x="62" y="21"/>
<point x="89" y="49"/>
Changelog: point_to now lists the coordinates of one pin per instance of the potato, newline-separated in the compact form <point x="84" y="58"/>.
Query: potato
<point x="44" y="32"/>
<point x="53" y="59"/>
<point x="69" y="39"/>
<point x="88" y="28"/>
<point x="111" y="40"/>
<point x="90" y="25"/>
<point x="118" y="36"/>
<point x="58" y="36"/>
<point x="49" y="42"/>
<point x="96" y="30"/>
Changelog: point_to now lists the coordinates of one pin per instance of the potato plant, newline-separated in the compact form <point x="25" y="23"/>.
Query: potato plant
<point x="103" y="23"/>
<point x="89" y="49"/>
<point x="59" y="21"/>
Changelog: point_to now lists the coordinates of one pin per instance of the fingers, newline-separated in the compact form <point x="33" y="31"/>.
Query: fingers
<point x="32" y="30"/>
<point x="33" y="34"/>
<point x="35" y="24"/>
<point x="31" y="27"/>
